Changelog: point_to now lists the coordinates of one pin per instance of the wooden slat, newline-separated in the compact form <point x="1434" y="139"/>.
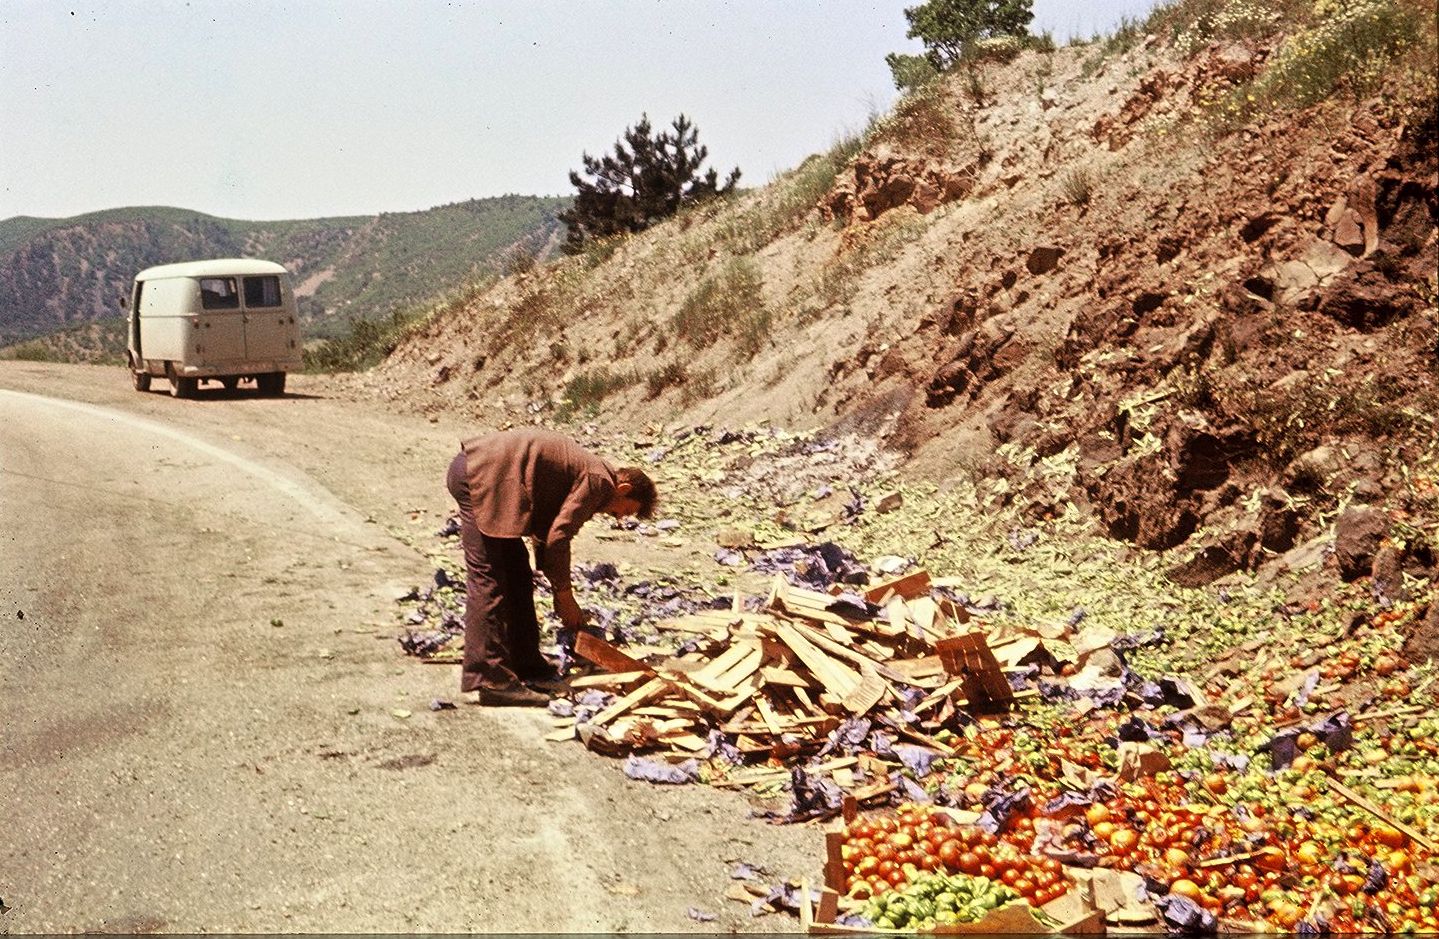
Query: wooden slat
<point x="743" y="669"/>
<point x="774" y="675"/>
<point x="860" y="660"/>
<point x="838" y="678"/>
<point x="1379" y="813"/>
<point x="923" y="613"/>
<point x="923" y="667"/>
<point x="909" y="586"/>
<point x="607" y="656"/>
<point x="898" y="614"/>
<point x="866" y="694"/>
<point x="684" y="741"/>
<point x="938" y="695"/>
<point x="644" y="692"/>
<point x="717" y="666"/>
<point x="605" y="679"/>
<point x="767" y="714"/>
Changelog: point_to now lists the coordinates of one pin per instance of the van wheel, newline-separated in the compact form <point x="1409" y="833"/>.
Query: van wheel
<point x="184" y="387"/>
<point x="271" y="383"/>
<point x="141" y="380"/>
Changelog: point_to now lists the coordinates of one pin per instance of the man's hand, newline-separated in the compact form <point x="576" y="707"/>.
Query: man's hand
<point x="571" y="616"/>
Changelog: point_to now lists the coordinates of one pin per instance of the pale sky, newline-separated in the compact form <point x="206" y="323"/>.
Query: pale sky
<point x="308" y="108"/>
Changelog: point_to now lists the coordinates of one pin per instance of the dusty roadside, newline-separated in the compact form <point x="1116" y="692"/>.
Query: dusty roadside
<point x="209" y="728"/>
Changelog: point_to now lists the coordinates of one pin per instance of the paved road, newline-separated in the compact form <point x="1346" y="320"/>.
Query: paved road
<point x="199" y="687"/>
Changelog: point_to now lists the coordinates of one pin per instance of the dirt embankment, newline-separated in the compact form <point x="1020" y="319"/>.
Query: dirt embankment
<point x="1071" y="275"/>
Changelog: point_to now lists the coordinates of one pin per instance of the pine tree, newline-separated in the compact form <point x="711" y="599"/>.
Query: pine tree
<point x="950" y="28"/>
<point x="648" y="178"/>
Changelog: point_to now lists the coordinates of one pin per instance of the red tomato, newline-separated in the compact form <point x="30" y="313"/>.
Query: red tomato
<point x="950" y="853"/>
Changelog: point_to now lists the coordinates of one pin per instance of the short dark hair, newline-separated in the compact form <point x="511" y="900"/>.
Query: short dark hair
<point x="642" y="489"/>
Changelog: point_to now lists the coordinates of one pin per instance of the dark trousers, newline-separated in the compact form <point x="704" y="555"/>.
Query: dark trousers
<point x="502" y="633"/>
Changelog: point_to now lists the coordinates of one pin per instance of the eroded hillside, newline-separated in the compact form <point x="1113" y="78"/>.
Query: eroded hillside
<point x="1172" y="280"/>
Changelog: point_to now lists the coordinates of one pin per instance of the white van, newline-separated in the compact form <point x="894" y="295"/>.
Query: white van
<point x="223" y="320"/>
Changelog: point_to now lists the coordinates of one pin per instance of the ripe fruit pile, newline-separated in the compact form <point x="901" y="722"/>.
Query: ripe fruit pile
<point x="1246" y="843"/>
<point x="888" y="852"/>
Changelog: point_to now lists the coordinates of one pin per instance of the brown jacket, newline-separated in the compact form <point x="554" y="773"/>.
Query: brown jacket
<point x="538" y="484"/>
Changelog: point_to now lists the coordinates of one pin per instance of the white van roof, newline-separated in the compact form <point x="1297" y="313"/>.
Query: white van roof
<point x="219" y="267"/>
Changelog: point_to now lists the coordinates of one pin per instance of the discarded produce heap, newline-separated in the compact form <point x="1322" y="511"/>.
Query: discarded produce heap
<point x="1049" y="715"/>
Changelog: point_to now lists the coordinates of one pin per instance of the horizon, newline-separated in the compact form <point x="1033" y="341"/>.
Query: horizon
<point x="377" y="110"/>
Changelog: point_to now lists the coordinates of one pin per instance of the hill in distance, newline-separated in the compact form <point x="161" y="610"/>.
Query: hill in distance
<point x="65" y="274"/>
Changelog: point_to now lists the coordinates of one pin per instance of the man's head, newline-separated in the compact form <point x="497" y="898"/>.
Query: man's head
<point x="634" y="494"/>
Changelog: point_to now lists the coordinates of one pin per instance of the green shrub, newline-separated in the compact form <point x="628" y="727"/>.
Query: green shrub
<point x="364" y="344"/>
<point x="910" y="72"/>
<point x="721" y="305"/>
<point x="1078" y="186"/>
<point x="666" y="376"/>
<point x="1354" y="40"/>
<point x="584" y="393"/>
<point x="789" y="199"/>
<point x="34" y="351"/>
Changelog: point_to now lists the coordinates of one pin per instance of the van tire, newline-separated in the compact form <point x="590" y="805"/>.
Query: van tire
<point x="184" y="387"/>
<point x="141" y="380"/>
<point x="271" y="384"/>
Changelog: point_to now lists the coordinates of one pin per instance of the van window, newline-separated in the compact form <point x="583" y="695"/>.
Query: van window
<point x="218" y="293"/>
<point x="262" y="291"/>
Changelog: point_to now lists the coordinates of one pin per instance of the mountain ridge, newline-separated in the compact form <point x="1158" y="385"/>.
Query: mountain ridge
<point x="59" y="273"/>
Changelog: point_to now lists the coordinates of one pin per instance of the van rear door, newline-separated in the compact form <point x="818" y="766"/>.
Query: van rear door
<point x="269" y="327"/>
<point x="222" y="326"/>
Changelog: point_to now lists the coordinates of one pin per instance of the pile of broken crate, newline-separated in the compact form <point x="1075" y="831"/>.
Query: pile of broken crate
<point x="778" y="679"/>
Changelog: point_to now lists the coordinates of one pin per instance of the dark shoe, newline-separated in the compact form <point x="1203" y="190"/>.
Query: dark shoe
<point x="512" y="696"/>
<point x="550" y="683"/>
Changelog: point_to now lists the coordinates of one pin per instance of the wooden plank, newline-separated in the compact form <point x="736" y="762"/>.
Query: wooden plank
<point x="767" y="714"/>
<point x="953" y="611"/>
<point x="774" y="675"/>
<point x="718" y="665"/>
<point x="923" y="612"/>
<point x="838" y="678"/>
<point x="866" y="694"/>
<point x="690" y="742"/>
<point x="1379" y="813"/>
<point x="898" y="614"/>
<point x="643" y="693"/>
<point x="742" y="670"/>
<point x="909" y="586"/>
<point x="795" y="722"/>
<point x="938" y="695"/>
<point x="605" y="679"/>
<point x="860" y="660"/>
<point x="923" y="667"/>
<point x="970" y="658"/>
<point x="672" y="711"/>
<point x="564" y="733"/>
<point x="805" y="701"/>
<point x="607" y="656"/>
